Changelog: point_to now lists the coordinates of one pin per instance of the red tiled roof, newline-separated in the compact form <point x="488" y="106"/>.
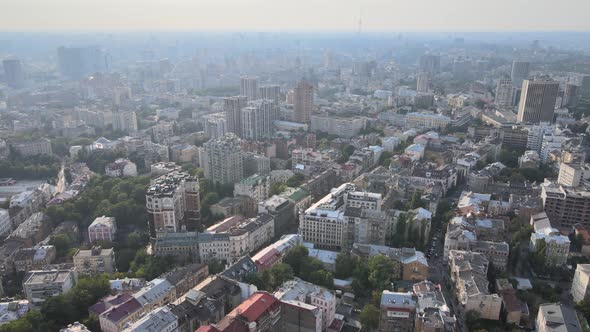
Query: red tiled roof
<point x="255" y="306"/>
<point x="207" y="328"/>
<point x="336" y="325"/>
<point x="268" y="259"/>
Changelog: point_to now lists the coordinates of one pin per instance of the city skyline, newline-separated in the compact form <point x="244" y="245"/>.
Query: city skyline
<point x="324" y="15"/>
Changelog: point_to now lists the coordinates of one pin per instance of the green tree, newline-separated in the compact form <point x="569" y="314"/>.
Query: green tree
<point x="369" y="317"/>
<point x="380" y="272"/>
<point x="344" y="266"/>
<point x="295" y="258"/>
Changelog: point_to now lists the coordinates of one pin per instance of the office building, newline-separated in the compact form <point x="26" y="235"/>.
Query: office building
<point x="537" y="101"/>
<point x="232" y="106"/>
<point x="94" y="261"/>
<point x="172" y="203"/>
<point x="504" y="93"/>
<point x="520" y="72"/>
<point x="303" y="101"/>
<point x="222" y="160"/>
<point x="249" y="87"/>
<point x="13" y="73"/>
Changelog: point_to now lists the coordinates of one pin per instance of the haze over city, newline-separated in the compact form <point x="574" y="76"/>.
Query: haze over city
<point x="294" y="166"/>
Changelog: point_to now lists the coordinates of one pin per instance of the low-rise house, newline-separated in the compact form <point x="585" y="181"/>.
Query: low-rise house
<point x="121" y="168"/>
<point x="102" y="229"/>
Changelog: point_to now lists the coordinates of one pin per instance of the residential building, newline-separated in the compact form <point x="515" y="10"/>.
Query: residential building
<point x="183" y="245"/>
<point x="33" y="148"/>
<point x="94" y="261"/>
<point x="566" y="206"/>
<point x="432" y="311"/>
<point x="425" y="120"/>
<point x="28" y="259"/>
<point x="184" y="153"/>
<point x="430" y="63"/>
<point x="581" y="283"/>
<point x="13" y="73"/>
<point x="257" y="119"/>
<point x="303" y="291"/>
<point x="257" y="164"/>
<point x="537" y="101"/>
<point x="469" y="275"/>
<point x="530" y="159"/>
<point x="119" y="316"/>
<point x="249" y="87"/>
<point x="423" y="82"/>
<point x="270" y="92"/>
<point x="75" y="327"/>
<point x="125" y="122"/>
<point x="172" y="203"/>
<point x="256" y="187"/>
<point x="229" y="206"/>
<point x="557" y="317"/>
<point x="158" y="320"/>
<point x="43" y="284"/>
<point x="573" y="175"/>
<point x="274" y="253"/>
<point x="232" y="106"/>
<point x="282" y="210"/>
<point x="557" y="246"/>
<point x="397" y="312"/>
<point x="121" y="168"/>
<point x="102" y="229"/>
<point x="156" y="293"/>
<point x="340" y="126"/>
<point x="216" y="125"/>
<point x="223" y="162"/>
<point x="409" y="263"/>
<point x="5" y="223"/>
<point x="303" y="101"/>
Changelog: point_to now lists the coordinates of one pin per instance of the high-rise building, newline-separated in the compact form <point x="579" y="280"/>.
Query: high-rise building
<point x="232" y="106"/>
<point x="585" y="88"/>
<point x="215" y="125"/>
<point x="249" y="87"/>
<point x="520" y="72"/>
<point x="257" y="119"/>
<point x="570" y="95"/>
<point x="272" y="92"/>
<point x="223" y="160"/>
<point x="125" y="122"/>
<point x="504" y="93"/>
<point x="537" y="101"/>
<point x="422" y="82"/>
<point x="172" y="203"/>
<point x="303" y="101"/>
<point x="13" y="73"/>
<point x="430" y="63"/>
<point x="78" y="62"/>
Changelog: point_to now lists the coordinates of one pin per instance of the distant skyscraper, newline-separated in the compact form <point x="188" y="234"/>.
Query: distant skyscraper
<point x="570" y="95"/>
<point x="257" y="119"/>
<point x="504" y="93"/>
<point x="423" y="82"/>
<point x="520" y="72"/>
<point x="303" y="101"/>
<point x="430" y="63"/>
<point x="223" y="161"/>
<point x="249" y="87"/>
<point x="272" y="92"/>
<point x="232" y="106"/>
<point x="537" y="101"/>
<point x="13" y="73"/>
<point x="79" y="62"/>
<point x="585" y="88"/>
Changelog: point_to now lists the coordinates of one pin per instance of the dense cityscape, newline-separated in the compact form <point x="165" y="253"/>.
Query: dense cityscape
<point x="294" y="182"/>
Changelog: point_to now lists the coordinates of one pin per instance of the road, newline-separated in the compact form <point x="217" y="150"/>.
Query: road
<point x="61" y="180"/>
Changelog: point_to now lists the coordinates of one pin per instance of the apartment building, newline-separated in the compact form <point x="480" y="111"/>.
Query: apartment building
<point x="125" y="122"/>
<point x="338" y="126"/>
<point x="469" y="275"/>
<point x="33" y="148"/>
<point x="161" y="319"/>
<point x="426" y="120"/>
<point x="222" y="160"/>
<point x="573" y="175"/>
<point x="256" y="187"/>
<point x="566" y="206"/>
<point x="172" y="203"/>
<point x="557" y="317"/>
<point x="409" y="263"/>
<point x="43" y="284"/>
<point x="557" y="246"/>
<point x="182" y="245"/>
<point x="94" y="261"/>
<point x="432" y="311"/>
<point x="121" y="168"/>
<point x="319" y="297"/>
<point x="581" y="284"/>
<point x="397" y="312"/>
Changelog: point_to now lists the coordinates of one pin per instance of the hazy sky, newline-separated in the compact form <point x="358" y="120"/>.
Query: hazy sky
<point x="281" y="15"/>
